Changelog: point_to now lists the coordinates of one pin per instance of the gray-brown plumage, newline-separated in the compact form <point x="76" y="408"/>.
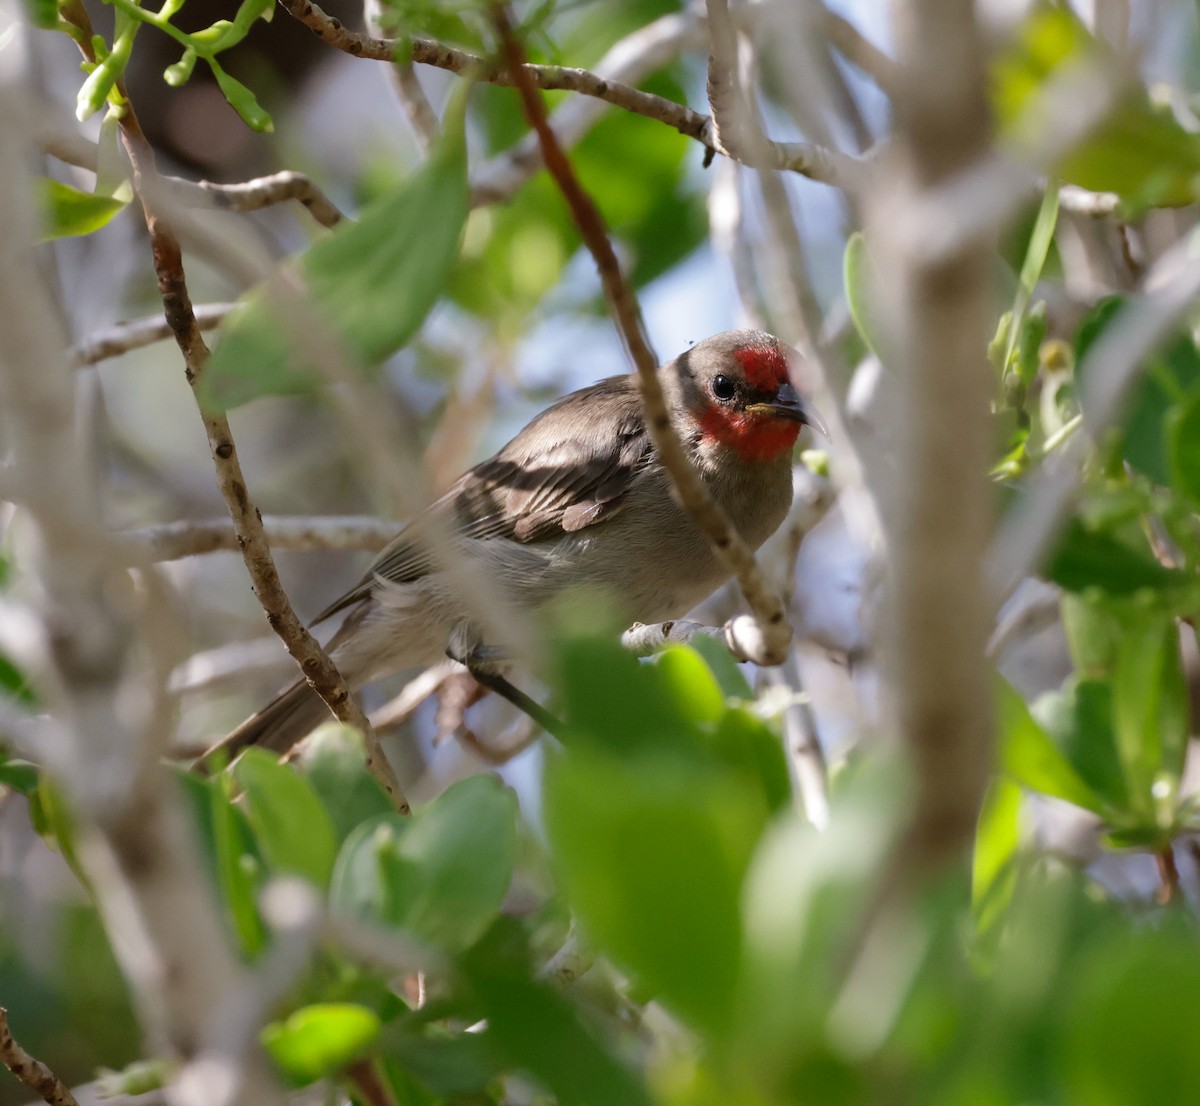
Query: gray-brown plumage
<point x="576" y="499"/>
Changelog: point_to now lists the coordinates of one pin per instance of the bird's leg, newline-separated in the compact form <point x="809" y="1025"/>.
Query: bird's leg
<point x="481" y="662"/>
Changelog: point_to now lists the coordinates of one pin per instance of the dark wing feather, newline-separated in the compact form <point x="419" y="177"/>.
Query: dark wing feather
<point x="570" y="468"/>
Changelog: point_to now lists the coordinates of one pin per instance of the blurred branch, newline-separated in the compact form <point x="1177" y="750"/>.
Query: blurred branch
<point x="70" y="146"/>
<point x="858" y="50"/>
<point x="938" y="306"/>
<point x="253" y="195"/>
<point x="803" y="743"/>
<point x="421" y="117"/>
<point x="130" y="833"/>
<point x="315" y="664"/>
<point x="828" y="166"/>
<point x="171" y="541"/>
<point x="33" y="1073"/>
<point x="765" y="637"/>
<point x="136" y="333"/>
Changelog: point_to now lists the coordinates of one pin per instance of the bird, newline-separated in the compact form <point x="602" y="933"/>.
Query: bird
<point x="578" y="499"/>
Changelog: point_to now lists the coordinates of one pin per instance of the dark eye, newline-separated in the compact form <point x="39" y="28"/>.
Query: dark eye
<point x="723" y="387"/>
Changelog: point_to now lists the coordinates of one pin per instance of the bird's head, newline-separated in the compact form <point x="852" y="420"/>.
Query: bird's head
<point x="736" y="393"/>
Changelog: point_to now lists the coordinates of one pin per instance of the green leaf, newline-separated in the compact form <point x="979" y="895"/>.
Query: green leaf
<point x="1079" y="720"/>
<point x="446" y="1063"/>
<point x="333" y="761"/>
<point x="13" y="683"/>
<point x="241" y="99"/>
<point x="320" y="1040"/>
<point x="43" y="13"/>
<point x="860" y="280"/>
<point x="1032" y="759"/>
<point x="67" y="212"/>
<point x="1150" y="712"/>
<point x="1031" y="269"/>
<point x="994" y="866"/>
<point x="1094" y="559"/>
<point x="21" y="776"/>
<point x="441" y="875"/>
<point x="370" y="285"/>
<point x="1137" y="150"/>
<point x="291" y="826"/>
<point x="1183" y="448"/>
<point x="728" y="673"/>
<point x="540" y="1031"/>
<point x="652" y="851"/>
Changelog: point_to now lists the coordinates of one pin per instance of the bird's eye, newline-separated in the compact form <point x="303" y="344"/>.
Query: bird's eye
<point x="723" y="387"/>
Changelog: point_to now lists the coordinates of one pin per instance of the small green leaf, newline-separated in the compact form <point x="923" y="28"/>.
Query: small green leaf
<point x="291" y="826"/>
<point x="43" y="13"/>
<point x="21" y="776"/>
<point x="441" y="875"/>
<point x="242" y="100"/>
<point x="320" y="1040"/>
<point x="1079" y="720"/>
<point x="179" y="73"/>
<point x="1029" y="756"/>
<point x="67" y="212"/>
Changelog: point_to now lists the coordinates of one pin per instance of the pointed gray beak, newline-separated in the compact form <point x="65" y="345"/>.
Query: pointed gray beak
<point x="788" y="405"/>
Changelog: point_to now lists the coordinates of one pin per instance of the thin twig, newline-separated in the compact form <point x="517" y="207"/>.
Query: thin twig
<point x="33" y="1073"/>
<point x="316" y="665"/>
<point x="171" y="541"/>
<point x="1168" y="875"/>
<point x="857" y="49"/>
<point x="137" y="333"/>
<point x="765" y="637"/>
<point x="253" y="195"/>
<point x="827" y="166"/>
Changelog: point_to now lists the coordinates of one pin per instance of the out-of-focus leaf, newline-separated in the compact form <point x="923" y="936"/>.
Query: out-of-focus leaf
<point x="140" y="1077"/>
<point x="290" y="824"/>
<point x="42" y="13"/>
<point x="13" y="683"/>
<point x="728" y="673"/>
<point x="67" y="212"/>
<point x="539" y="1029"/>
<point x="445" y="1063"/>
<point x="1183" y="448"/>
<point x="1029" y="756"/>
<point x="1150" y="710"/>
<point x="652" y="851"/>
<point x="994" y="868"/>
<point x="370" y="285"/>
<point x="320" y="1040"/>
<point x="745" y="744"/>
<point x="860" y="280"/>
<point x="20" y="776"/>
<point x="333" y="760"/>
<point x="1170" y="384"/>
<point x="1094" y="559"/>
<point x="1079" y="721"/>
<point x="1138" y="151"/>
<point x="442" y="874"/>
<point x="1130" y="1021"/>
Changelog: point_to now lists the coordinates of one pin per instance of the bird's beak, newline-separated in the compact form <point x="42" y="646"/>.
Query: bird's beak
<point x="788" y="405"/>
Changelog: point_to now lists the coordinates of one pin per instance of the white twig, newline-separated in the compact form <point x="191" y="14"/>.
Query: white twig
<point x="137" y="333"/>
<point x="170" y="541"/>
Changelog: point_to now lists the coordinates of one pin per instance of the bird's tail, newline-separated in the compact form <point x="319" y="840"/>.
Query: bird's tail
<point x="291" y="715"/>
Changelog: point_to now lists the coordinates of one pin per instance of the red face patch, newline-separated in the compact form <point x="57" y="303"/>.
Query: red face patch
<point x="766" y="367"/>
<point x="754" y="437"/>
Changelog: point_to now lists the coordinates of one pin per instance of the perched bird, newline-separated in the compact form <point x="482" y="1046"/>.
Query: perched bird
<point x="578" y="498"/>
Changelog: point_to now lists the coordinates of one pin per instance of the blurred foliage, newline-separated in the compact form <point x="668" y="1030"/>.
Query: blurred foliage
<point x="741" y="957"/>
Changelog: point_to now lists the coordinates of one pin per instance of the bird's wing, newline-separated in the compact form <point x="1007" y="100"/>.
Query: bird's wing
<point x="568" y="469"/>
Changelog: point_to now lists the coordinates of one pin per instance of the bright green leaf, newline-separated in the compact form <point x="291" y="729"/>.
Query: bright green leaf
<point x="994" y="866"/>
<point x="1094" y="559"/>
<point x="333" y="760"/>
<point x="1079" y="721"/>
<point x="20" y="776"/>
<point x="1183" y="448"/>
<point x="1032" y="759"/>
<point x="320" y="1040"/>
<point x="67" y="212"/>
<point x="652" y="851"/>
<point x="291" y="826"/>
<point x="442" y="874"/>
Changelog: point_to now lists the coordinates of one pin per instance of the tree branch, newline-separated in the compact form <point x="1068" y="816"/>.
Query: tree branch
<point x="137" y="333"/>
<point x="827" y="166"/>
<point x="33" y="1073"/>
<point x="171" y="541"/>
